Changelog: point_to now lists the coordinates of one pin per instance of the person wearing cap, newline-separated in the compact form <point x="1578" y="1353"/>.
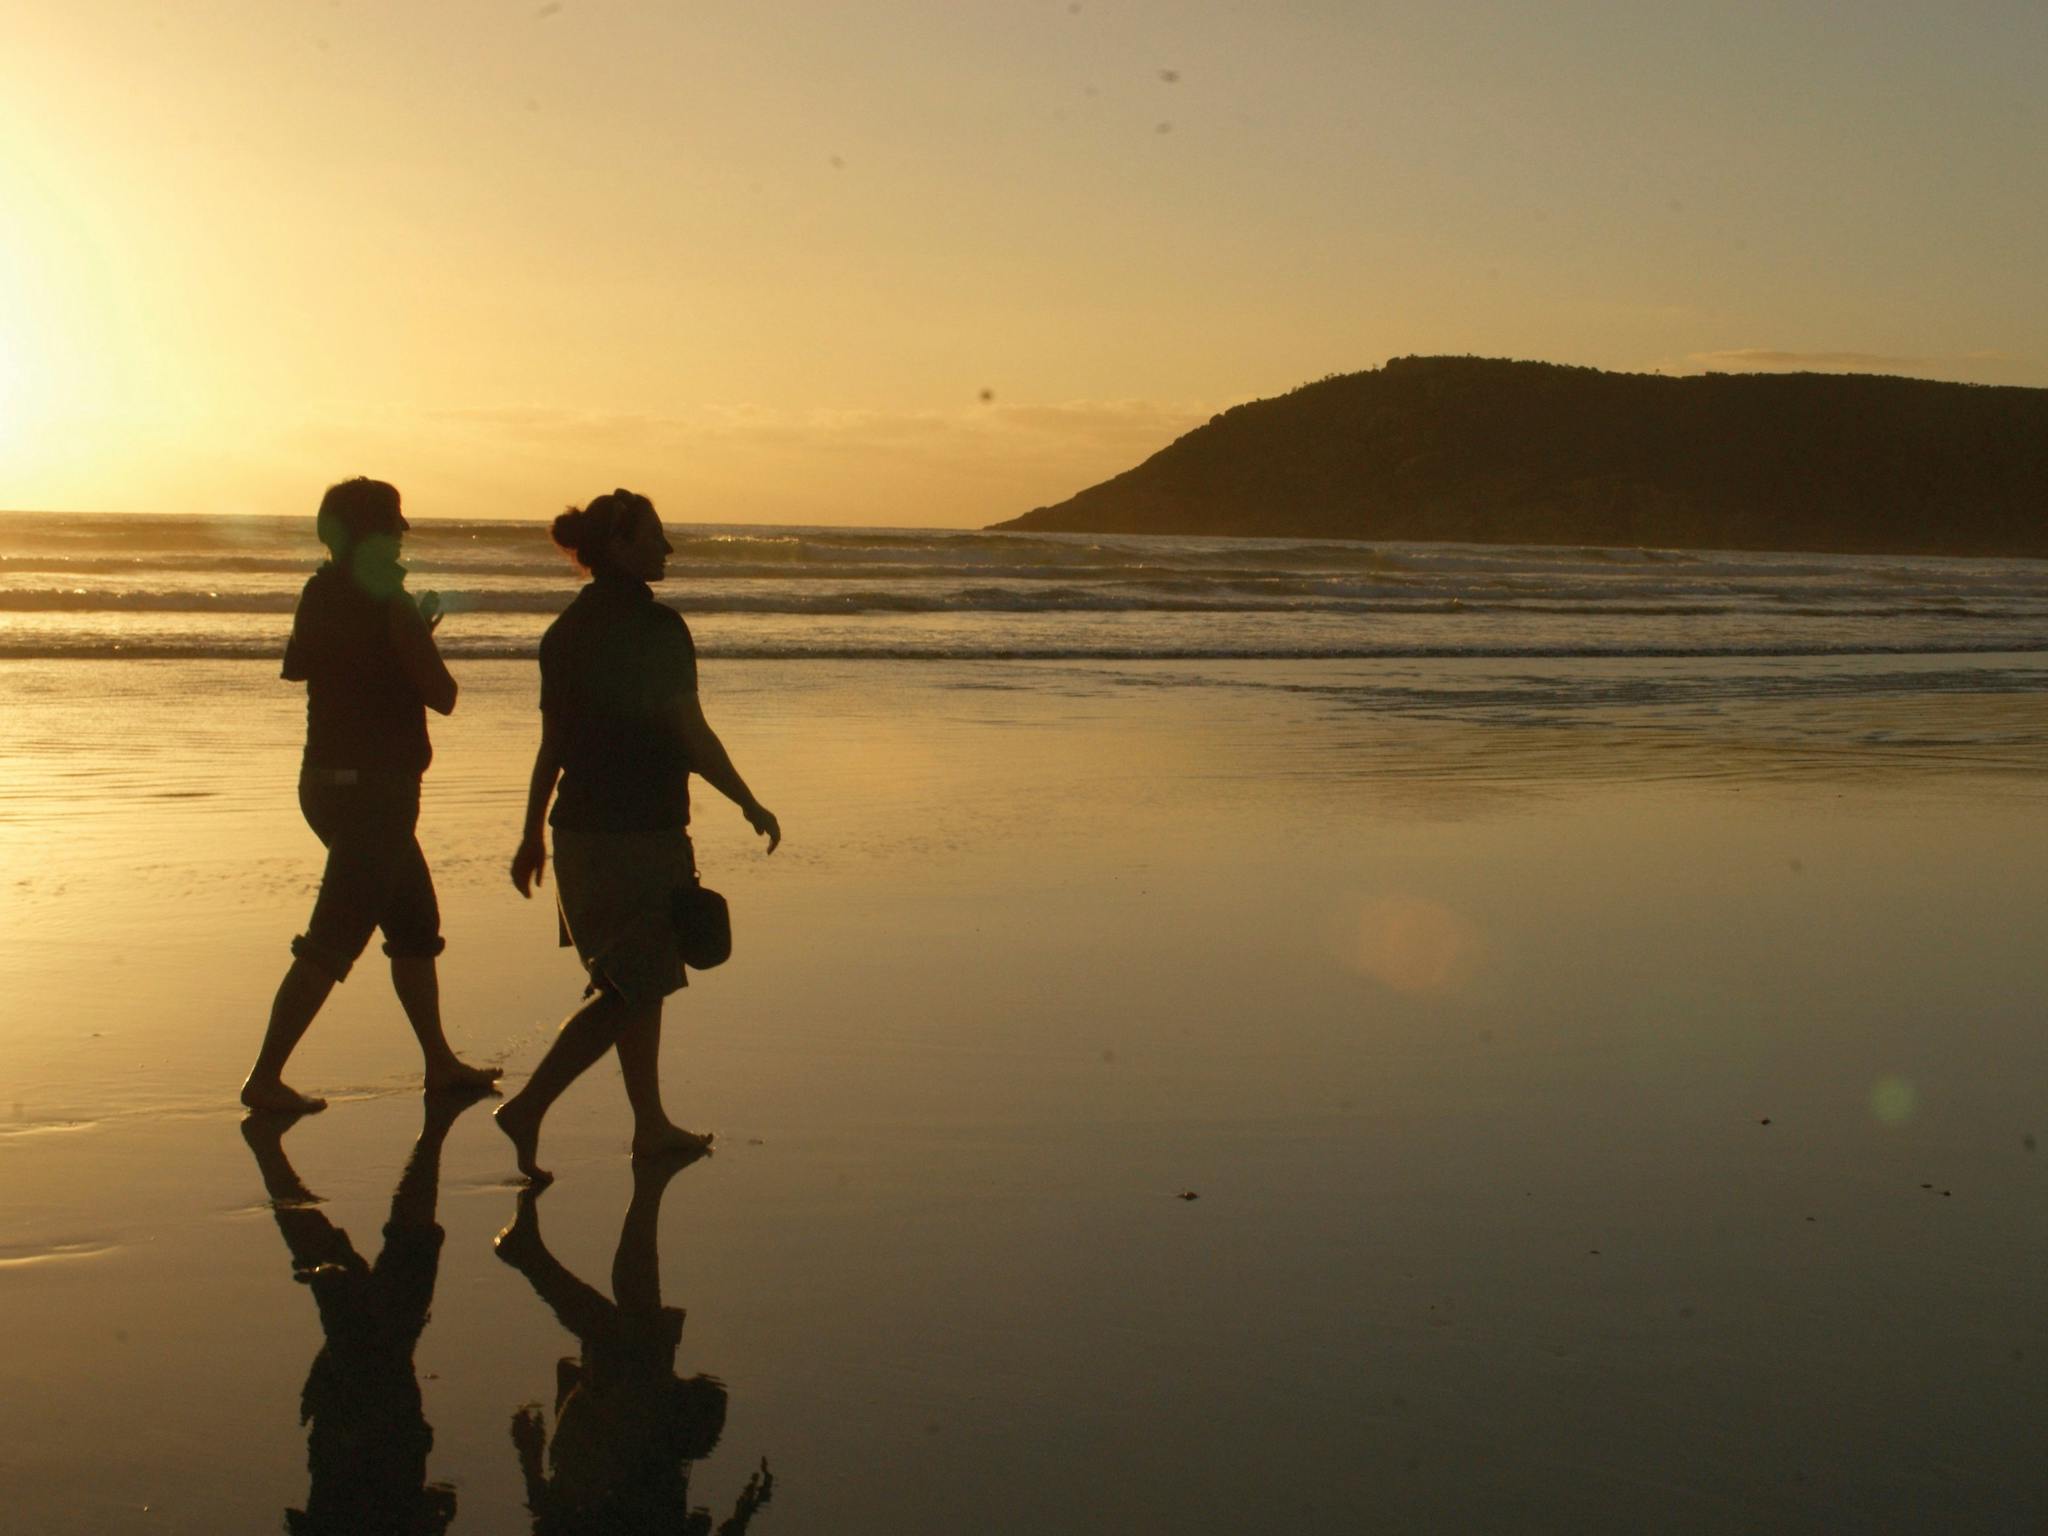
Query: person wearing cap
<point x="365" y="651"/>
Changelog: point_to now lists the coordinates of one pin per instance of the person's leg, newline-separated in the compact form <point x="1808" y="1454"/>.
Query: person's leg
<point x="344" y="914"/>
<point x="639" y="1046"/>
<point x="411" y="919"/>
<point x="299" y="996"/>
<point x="418" y="984"/>
<point x="585" y="1035"/>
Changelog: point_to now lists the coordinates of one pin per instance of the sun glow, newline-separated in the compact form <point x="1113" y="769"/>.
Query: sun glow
<point x="15" y="427"/>
<point x="26" y="309"/>
<point x="37" y="392"/>
<point x="10" y="430"/>
<point x="14" y="366"/>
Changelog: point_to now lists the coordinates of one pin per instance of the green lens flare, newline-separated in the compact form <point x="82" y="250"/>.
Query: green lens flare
<point x="1892" y="1100"/>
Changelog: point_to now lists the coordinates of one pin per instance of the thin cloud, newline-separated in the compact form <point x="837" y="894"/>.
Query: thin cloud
<point x="962" y="465"/>
<point x="1752" y="359"/>
<point x="980" y="427"/>
<point x="1767" y="357"/>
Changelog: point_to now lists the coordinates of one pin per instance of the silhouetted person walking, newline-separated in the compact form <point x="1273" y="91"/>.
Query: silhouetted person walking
<point x="365" y="651"/>
<point x="626" y="1427"/>
<point x="622" y="731"/>
<point x="367" y="1438"/>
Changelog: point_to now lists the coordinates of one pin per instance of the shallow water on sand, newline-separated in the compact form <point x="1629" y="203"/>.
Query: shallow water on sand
<point x="1613" y="1107"/>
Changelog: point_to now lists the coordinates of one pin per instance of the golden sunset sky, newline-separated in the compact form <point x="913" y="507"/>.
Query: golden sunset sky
<point x="937" y="263"/>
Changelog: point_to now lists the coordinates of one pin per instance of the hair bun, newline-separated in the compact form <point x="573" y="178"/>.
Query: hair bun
<point x="567" y="529"/>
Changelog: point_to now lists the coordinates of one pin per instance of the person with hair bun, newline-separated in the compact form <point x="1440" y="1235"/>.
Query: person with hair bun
<point x="621" y="733"/>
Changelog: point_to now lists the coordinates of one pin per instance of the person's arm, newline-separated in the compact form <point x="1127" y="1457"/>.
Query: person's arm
<point x="412" y="636"/>
<point x="297" y="662"/>
<point x="709" y="761"/>
<point x="532" y="858"/>
<point x="529" y="1443"/>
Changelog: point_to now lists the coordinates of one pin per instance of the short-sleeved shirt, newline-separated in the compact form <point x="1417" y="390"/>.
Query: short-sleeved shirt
<point x="613" y="668"/>
<point x="362" y="711"/>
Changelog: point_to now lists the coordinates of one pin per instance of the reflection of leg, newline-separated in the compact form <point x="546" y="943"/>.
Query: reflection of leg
<point x="264" y="1133"/>
<point x="413" y="1202"/>
<point x="418" y="985"/>
<point x="315" y="1243"/>
<point x="310" y="1237"/>
<point x="299" y="996"/>
<point x="410" y="1260"/>
<point x="585" y="1035"/>
<point x="654" y="1134"/>
<point x="636" y="1266"/>
<point x="580" y="1308"/>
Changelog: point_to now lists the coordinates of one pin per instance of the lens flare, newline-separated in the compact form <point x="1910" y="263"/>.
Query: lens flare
<point x="1893" y="1099"/>
<point x="1412" y="945"/>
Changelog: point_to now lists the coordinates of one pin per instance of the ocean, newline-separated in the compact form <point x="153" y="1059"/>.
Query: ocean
<point x="196" y="587"/>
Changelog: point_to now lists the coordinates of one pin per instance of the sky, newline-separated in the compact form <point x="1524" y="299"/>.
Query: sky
<point x="913" y="264"/>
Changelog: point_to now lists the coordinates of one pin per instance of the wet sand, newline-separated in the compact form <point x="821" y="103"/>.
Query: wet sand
<point x="1623" y="1122"/>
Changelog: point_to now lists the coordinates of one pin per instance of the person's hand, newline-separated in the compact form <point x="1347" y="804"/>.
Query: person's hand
<point x="763" y="821"/>
<point x="529" y="863"/>
<point x="430" y="610"/>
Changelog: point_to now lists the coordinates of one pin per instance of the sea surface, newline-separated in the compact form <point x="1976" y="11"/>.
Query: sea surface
<point x="196" y="587"/>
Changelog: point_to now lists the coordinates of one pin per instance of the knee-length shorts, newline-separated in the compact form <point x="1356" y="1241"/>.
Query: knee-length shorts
<point x="376" y="876"/>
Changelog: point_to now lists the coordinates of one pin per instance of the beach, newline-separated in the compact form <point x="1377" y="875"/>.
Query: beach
<point x="1148" y="1093"/>
<point x="1392" y="666"/>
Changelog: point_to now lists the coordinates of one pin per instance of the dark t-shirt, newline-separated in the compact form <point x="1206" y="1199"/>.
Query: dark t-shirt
<point x="362" y="711"/>
<point x="613" y="668"/>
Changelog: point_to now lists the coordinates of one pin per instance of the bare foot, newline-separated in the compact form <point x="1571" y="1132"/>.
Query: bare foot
<point x="524" y="1129"/>
<point x="456" y="1076"/>
<point x="274" y="1095"/>
<point x="670" y="1142"/>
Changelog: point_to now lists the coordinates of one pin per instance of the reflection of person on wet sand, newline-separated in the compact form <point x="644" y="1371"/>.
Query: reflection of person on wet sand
<point x="366" y="1448"/>
<point x="626" y="1427"/>
<point x="365" y="650"/>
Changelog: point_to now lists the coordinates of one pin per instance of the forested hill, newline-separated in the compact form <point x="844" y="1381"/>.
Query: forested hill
<point x="1487" y="451"/>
